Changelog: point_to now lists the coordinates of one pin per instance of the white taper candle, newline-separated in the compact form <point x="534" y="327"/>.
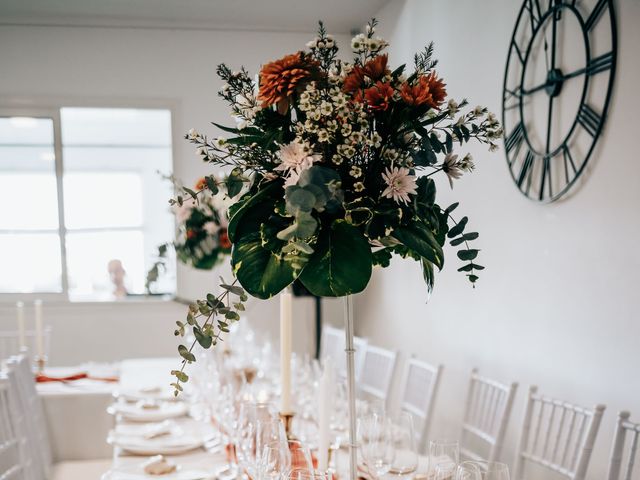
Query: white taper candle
<point x="39" y="328"/>
<point x="285" y="350"/>
<point x="20" y="319"/>
<point x="325" y="396"/>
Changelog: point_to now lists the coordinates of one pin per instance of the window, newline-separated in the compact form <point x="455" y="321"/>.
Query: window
<point x="83" y="194"/>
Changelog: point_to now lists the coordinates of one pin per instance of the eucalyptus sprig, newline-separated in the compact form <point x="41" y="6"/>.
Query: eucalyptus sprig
<point x="219" y="312"/>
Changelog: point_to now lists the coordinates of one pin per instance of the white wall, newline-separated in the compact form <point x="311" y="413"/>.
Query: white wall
<point x="556" y="305"/>
<point x="130" y="67"/>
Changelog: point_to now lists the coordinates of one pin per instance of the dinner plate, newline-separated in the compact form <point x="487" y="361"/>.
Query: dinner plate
<point x="136" y="472"/>
<point x="149" y="393"/>
<point x="167" y="445"/>
<point x="136" y="413"/>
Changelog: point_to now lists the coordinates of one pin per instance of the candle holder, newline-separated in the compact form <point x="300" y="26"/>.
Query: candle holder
<point x="287" y="420"/>
<point x="41" y="362"/>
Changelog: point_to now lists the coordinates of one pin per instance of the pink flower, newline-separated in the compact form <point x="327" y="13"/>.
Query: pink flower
<point x="399" y="184"/>
<point x="294" y="157"/>
<point x="183" y="212"/>
<point x="211" y="228"/>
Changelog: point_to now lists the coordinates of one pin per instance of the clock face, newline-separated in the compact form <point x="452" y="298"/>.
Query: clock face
<point x="557" y="88"/>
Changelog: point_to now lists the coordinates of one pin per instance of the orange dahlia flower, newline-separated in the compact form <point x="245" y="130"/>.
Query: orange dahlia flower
<point x="429" y="90"/>
<point x="376" y="68"/>
<point x="280" y="79"/>
<point x="379" y="96"/>
<point x="224" y="239"/>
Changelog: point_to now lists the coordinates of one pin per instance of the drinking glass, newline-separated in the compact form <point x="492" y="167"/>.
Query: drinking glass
<point x="275" y="461"/>
<point x="467" y="471"/>
<point x="270" y="431"/>
<point x="490" y="470"/>
<point x="251" y="414"/>
<point x="444" y="456"/>
<point x="377" y="446"/>
<point x="300" y="456"/>
<point x="303" y="474"/>
<point x="404" y="440"/>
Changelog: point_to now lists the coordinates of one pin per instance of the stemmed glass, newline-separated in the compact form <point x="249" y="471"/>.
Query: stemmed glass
<point x="251" y="414"/>
<point x="275" y="461"/>
<point x="377" y="446"/>
<point x="489" y="470"/>
<point x="404" y="440"/>
<point x="467" y="471"/>
<point x="444" y="456"/>
<point x="300" y="456"/>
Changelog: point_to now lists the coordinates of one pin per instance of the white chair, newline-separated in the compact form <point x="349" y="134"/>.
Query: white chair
<point x="332" y="345"/>
<point x="420" y="384"/>
<point x="624" y="426"/>
<point x="487" y="412"/>
<point x="557" y="436"/>
<point x="11" y="467"/>
<point x="377" y="372"/>
<point x="33" y="421"/>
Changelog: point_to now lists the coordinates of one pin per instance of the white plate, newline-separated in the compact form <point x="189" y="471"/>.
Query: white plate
<point x="168" y="445"/>
<point x="136" y="472"/>
<point x="134" y="413"/>
<point x="151" y="393"/>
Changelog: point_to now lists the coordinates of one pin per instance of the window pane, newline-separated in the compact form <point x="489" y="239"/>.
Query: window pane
<point x="30" y="263"/>
<point x="88" y="257"/>
<point x="102" y="199"/>
<point x="28" y="189"/>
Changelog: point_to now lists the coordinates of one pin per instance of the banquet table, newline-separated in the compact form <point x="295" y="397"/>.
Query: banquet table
<point x="76" y="411"/>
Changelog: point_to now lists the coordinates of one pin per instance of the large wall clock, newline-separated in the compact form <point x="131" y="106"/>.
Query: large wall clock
<point x="557" y="89"/>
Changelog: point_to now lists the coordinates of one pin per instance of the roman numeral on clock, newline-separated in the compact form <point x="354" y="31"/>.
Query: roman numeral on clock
<point x="568" y="161"/>
<point x="515" y="138"/>
<point x="600" y="64"/>
<point x="525" y="171"/>
<point x="546" y="178"/>
<point x="589" y="119"/>
<point x="593" y="18"/>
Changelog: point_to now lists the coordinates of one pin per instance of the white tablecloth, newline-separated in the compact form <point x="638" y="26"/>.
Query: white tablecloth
<point x="76" y="411"/>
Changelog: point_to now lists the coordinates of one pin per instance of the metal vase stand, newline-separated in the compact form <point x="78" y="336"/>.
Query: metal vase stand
<point x="351" y="386"/>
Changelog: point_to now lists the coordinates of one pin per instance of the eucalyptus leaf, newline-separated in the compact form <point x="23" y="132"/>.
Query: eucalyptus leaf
<point x="458" y="228"/>
<point x="467" y="255"/>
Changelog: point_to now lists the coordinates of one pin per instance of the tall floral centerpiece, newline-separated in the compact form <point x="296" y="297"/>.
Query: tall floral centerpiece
<point x="201" y="239"/>
<point x="339" y="158"/>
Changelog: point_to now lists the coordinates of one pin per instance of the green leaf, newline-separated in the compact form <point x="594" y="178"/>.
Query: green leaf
<point x="382" y="257"/>
<point x="190" y="192"/>
<point x="302" y="227"/>
<point x="341" y="264"/>
<point x="451" y="208"/>
<point x="449" y="143"/>
<point x="464" y="238"/>
<point x="203" y="340"/>
<point x="470" y="266"/>
<point x="181" y="376"/>
<point x="254" y="210"/>
<point x="234" y="182"/>
<point x="260" y="271"/>
<point x="428" y="274"/>
<point x="459" y="228"/>
<point x="422" y="241"/>
<point x="186" y="354"/>
<point x="473" y="278"/>
<point x="467" y="255"/>
<point x="211" y="184"/>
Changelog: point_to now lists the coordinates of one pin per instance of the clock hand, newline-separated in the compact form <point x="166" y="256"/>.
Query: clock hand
<point x="574" y="74"/>
<point x="534" y="89"/>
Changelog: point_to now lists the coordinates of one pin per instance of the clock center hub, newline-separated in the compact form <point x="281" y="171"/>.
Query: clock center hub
<point x="555" y="79"/>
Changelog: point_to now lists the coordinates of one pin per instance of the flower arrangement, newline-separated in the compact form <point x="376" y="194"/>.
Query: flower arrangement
<point x="201" y="235"/>
<point x="339" y="158"/>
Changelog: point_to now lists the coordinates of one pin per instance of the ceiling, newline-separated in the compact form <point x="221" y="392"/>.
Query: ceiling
<point x="340" y="16"/>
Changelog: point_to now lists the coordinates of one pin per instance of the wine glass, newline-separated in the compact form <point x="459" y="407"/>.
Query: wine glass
<point x="490" y="470"/>
<point x="377" y="446"/>
<point x="404" y="440"/>
<point x="467" y="471"/>
<point x="300" y="456"/>
<point x="270" y="431"/>
<point x="303" y="474"/>
<point x="275" y="461"/>
<point x="444" y="456"/>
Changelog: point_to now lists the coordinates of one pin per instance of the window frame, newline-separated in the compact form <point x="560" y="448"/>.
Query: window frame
<point x="50" y="109"/>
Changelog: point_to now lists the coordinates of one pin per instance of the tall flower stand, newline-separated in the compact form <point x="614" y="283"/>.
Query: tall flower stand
<point x="351" y="386"/>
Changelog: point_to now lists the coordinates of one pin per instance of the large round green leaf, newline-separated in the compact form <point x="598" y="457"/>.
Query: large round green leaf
<point x="261" y="272"/>
<point x="254" y="209"/>
<point x="341" y="264"/>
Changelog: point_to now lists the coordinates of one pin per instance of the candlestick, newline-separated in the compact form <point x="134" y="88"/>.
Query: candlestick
<point x="20" y="318"/>
<point x="287" y="420"/>
<point x="285" y="351"/>
<point x="39" y="328"/>
<point x="324" y="415"/>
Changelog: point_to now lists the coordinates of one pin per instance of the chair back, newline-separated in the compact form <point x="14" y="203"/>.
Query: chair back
<point x="332" y="344"/>
<point x="10" y="446"/>
<point x="377" y="372"/>
<point x="487" y="411"/>
<point x="558" y="436"/>
<point x="624" y="427"/>
<point x="420" y="384"/>
<point x="33" y="421"/>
